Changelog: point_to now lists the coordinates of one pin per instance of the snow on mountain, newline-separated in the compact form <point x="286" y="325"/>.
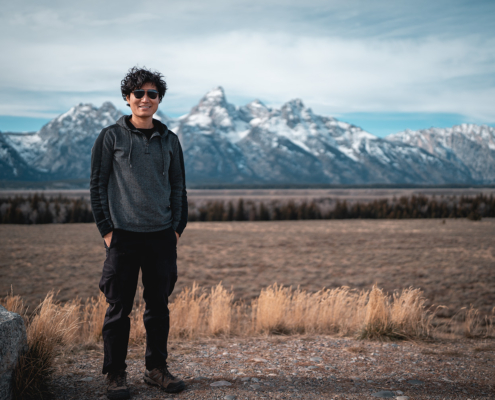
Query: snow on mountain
<point x="12" y="164"/>
<point x="213" y="115"/>
<point x="465" y="146"/>
<point x="294" y="143"/>
<point x="224" y="143"/>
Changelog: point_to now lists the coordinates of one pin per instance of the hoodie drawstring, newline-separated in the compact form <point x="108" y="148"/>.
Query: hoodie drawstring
<point x="163" y="156"/>
<point x="130" y="150"/>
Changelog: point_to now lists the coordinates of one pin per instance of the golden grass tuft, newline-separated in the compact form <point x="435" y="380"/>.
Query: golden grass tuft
<point x="403" y="316"/>
<point x="51" y="327"/>
<point x="220" y="311"/>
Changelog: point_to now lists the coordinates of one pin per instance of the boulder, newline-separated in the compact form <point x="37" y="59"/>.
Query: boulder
<point x="13" y="342"/>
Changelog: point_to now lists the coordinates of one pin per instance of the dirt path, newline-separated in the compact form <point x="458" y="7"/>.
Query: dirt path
<point x="306" y="367"/>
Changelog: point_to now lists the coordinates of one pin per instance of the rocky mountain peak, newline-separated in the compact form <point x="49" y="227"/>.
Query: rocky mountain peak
<point x="292" y="112"/>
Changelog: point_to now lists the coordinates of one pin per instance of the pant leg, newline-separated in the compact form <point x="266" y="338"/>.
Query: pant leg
<point x="159" y="276"/>
<point x="118" y="283"/>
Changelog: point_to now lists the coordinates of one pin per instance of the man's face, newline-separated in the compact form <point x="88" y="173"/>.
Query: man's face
<point x="145" y="106"/>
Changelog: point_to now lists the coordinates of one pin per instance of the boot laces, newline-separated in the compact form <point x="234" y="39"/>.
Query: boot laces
<point x="118" y="378"/>
<point x="165" y="372"/>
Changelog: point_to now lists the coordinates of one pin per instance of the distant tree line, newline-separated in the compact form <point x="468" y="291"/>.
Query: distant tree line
<point x="472" y="207"/>
<point x="38" y="209"/>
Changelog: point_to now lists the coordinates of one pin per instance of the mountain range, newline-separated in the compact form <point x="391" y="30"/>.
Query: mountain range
<point x="257" y="144"/>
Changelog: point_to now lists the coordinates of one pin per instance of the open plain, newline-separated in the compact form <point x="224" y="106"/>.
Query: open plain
<point x="451" y="260"/>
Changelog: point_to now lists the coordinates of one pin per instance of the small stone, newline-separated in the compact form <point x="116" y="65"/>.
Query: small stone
<point x="316" y="359"/>
<point x="233" y="371"/>
<point x="246" y="378"/>
<point x="260" y="360"/>
<point x="220" y="383"/>
<point x="87" y="379"/>
<point x="229" y="397"/>
<point x="255" y="387"/>
<point x="384" y="394"/>
<point x="399" y="392"/>
<point x="415" y="382"/>
<point x="255" y="380"/>
<point x="402" y="398"/>
<point x="312" y="367"/>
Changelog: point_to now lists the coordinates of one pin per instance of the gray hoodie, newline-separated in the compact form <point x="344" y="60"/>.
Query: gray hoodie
<point x="136" y="184"/>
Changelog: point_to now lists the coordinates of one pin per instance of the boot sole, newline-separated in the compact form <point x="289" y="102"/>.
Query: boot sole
<point x="179" y="388"/>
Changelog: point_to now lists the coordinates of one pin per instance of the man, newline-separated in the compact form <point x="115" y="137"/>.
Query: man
<point x="139" y="202"/>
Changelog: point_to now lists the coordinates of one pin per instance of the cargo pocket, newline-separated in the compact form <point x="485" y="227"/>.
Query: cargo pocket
<point x="109" y="282"/>
<point x="171" y="285"/>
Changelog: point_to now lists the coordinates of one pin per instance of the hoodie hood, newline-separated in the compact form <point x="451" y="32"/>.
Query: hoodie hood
<point x="160" y="127"/>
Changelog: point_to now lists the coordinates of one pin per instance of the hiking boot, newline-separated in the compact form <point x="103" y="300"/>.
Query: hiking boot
<point x="162" y="378"/>
<point x="117" y="387"/>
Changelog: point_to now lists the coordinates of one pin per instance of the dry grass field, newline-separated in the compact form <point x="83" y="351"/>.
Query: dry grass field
<point x="453" y="262"/>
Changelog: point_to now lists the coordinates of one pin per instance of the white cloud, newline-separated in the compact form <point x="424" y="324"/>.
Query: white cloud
<point x="61" y="56"/>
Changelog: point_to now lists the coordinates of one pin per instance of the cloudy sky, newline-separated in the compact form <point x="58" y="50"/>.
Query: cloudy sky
<point x="382" y="65"/>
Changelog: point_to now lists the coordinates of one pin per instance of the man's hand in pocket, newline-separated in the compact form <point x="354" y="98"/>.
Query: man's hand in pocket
<point x="108" y="238"/>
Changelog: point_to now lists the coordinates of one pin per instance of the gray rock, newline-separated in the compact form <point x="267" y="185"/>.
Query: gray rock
<point x="415" y="382"/>
<point x="230" y="397"/>
<point x="13" y="342"/>
<point x="255" y="387"/>
<point x="86" y="379"/>
<point x="402" y="398"/>
<point x="316" y="359"/>
<point x="246" y="378"/>
<point x="255" y="380"/>
<point x="384" y="394"/>
<point x="220" y="383"/>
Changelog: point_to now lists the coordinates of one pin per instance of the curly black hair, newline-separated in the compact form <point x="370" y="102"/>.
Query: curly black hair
<point x="137" y="77"/>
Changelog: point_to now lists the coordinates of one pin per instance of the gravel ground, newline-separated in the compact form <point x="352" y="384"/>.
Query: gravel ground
<point x="301" y="367"/>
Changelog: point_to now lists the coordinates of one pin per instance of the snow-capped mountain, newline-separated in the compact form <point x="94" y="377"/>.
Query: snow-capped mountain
<point x="464" y="146"/>
<point x="254" y="143"/>
<point x="224" y="143"/>
<point x="62" y="148"/>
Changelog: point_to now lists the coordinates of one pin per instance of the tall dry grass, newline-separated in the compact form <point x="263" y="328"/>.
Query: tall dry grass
<point x="402" y="316"/>
<point x="50" y="328"/>
<point x="196" y="312"/>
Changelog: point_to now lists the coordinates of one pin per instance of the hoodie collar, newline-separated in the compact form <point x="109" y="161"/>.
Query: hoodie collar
<point x="159" y="126"/>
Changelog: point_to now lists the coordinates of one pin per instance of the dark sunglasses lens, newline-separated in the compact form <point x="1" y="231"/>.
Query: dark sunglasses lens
<point x="138" y="93"/>
<point x="152" y="94"/>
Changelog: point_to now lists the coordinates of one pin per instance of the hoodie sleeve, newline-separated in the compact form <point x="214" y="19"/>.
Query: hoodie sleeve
<point x="178" y="195"/>
<point x="101" y="167"/>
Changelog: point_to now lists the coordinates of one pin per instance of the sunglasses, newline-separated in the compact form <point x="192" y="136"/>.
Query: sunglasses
<point x="139" y="93"/>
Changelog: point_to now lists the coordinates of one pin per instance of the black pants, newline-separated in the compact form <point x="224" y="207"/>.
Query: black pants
<point x="156" y="254"/>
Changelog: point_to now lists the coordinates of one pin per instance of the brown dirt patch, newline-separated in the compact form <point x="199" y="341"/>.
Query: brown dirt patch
<point x="451" y="262"/>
